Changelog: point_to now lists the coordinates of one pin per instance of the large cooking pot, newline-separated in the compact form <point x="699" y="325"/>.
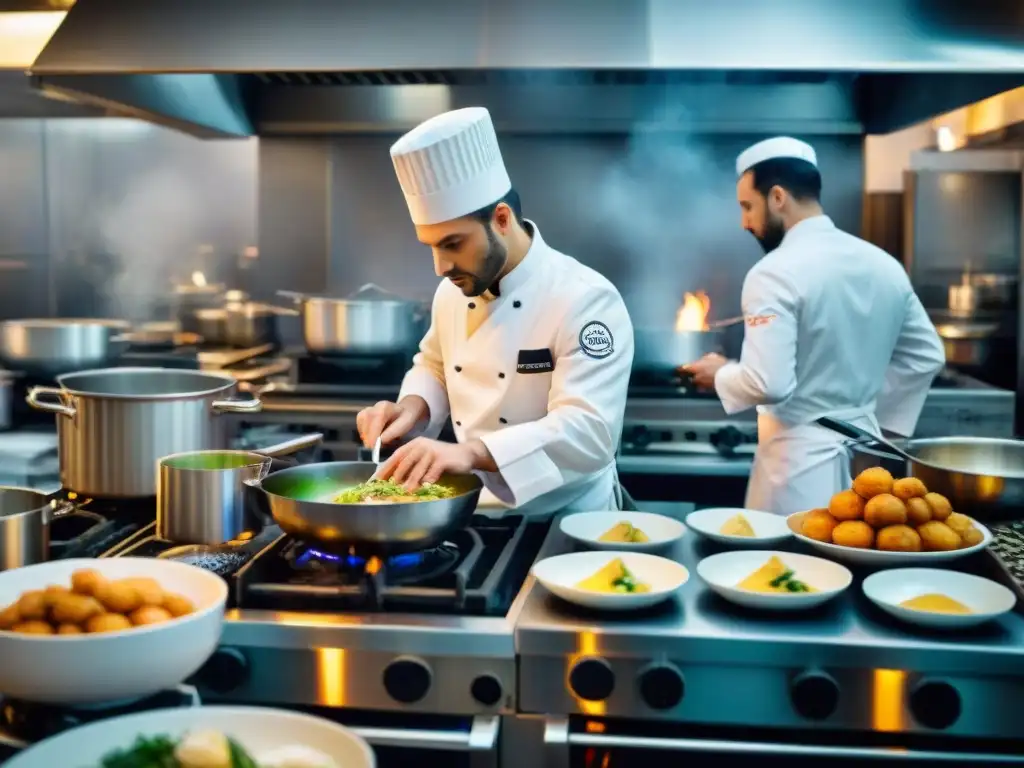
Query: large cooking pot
<point x="663" y="350"/>
<point x="50" y="347"/>
<point x="189" y="298"/>
<point x="250" y="324"/>
<point x="372" y="321"/>
<point x="113" y="425"/>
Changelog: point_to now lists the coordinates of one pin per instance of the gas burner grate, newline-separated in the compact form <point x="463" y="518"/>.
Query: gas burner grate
<point x="1007" y="548"/>
<point x="325" y="567"/>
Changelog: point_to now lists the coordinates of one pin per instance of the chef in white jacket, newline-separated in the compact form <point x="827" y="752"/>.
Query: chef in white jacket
<point x="529" y="351"/>
<point x="833" y="328"/>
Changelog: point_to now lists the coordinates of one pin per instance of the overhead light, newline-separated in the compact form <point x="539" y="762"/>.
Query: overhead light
<point x="945" y="139"/>
<point x="23" y="34"/>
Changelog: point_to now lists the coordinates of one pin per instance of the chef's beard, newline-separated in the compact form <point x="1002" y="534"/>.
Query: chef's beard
<point x="493" y="262"/>
<point x="774" y="231"/>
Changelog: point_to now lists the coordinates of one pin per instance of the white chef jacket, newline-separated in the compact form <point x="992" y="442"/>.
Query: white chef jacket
<point x="542" y="382"/>
<point x="833" y="328"/>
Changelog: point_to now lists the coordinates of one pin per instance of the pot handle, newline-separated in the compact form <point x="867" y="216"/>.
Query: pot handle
<point x="59" y="509"/>
<point x="295" y="296"/>
<point x="33" y="398"/>
<point x="291" y="446"/>
<point x="255" y="405"/>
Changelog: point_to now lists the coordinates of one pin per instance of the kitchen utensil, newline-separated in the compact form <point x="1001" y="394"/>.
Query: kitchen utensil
<point x="986" y="599"/>
<point x="727" y="322"/>
<point x="300" y="501"/>
<point x="667" y="350"/>
<point x="113" y="425"/>
<point x="769" y="530"/>
<point x="258" y="730"/>
<point x="724" y="571"/>
<point x="586" y="529"/>
<point x="224" y="558"/>
<point x="111" y="666"/>
<point x="882" y="558"/>
<point x="51" y="347"/>
<point x="982" y="477"/>
<point x="250" y="324"/>
<point x="25" y="517"/>
<point x="560" y="575"/>
<point x="159" y="339"/>
<point x="201" y="495"/>
<point x="212" y="325"/>
<point x="375" y="454"/>
<point x="967" y="343"/>
<point x="372" y="321"/>
<point x="189" y="298"/>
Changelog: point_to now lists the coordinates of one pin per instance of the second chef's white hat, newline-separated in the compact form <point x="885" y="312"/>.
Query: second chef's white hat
<point x="771" y="149"/>
<point x="450" y="166"/>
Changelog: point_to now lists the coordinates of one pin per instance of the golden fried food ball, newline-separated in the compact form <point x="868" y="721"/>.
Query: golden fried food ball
<point x="898" y="538"/>
<point x="32" y="605"/>
<point x="918" y="511"/>
<point x="940" y="506"/>
<point x="884" y="509"/>
<point x="85" y="581"/>
<point x="118" y="597"/>
<point x="33" y="627"/>
<point x="53" y="592"/>
<point x="818" y="524"/>
<point x="107" y="622"/>
<point x="9" y="616"/>
<point x="149" y="590"/>
<point x="959" y="523"/>
<point x="971" y="537"/>
<point x="938" y="537"/>
<point x="74" y="609"/>
<point x="854" y="533"/>
<point x="908" y="488"/>
<point x="69" y="629"/>
<point x="872" y="482"/>
<point x="149" y="614"/>
<point x="178" y="605"/>
<point x="846" y="505"/>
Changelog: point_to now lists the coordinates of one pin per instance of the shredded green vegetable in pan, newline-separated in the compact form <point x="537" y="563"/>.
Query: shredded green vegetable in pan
<point x="388" y="490"/>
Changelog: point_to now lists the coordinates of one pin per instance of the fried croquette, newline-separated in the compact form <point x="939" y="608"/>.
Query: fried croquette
<point x="178" y="605"/>
<point x="149" y="614"/>
<point x="118" y="597"/>
<point x="873" y="482"/>
<point x="33" y="627"/>
<point x="9" y="616"/>
<point x="854" y="533"/>
<point x="883" y="510"/>
<point x="846" y="505"/>
<point x="938" y="537"/>
<point x="69" y="629"/>
<point x="898" y="538"/>
<point x="86" y="580"/>
<point x="32" y="605"/>
<point x="53" y="592"/>
<point x="908" y="488"/>
<point x="918" y="511"/>
<point x="818" y="524"/>
<point x="959" y="523"/>
<point x="940" y="506"/>
<point x="971" y="537"/>
<point x="149" y="590"/>
<point x="107" y="622"/>
<point x="74" y="609"/>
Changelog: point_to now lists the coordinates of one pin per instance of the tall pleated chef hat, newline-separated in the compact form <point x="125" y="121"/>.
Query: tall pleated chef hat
<point x="770" y="149"/>
<point x="450" y="166"/>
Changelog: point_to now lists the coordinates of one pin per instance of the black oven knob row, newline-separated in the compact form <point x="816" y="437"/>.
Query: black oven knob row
<point x="661" y="686"/>
<point x="815" y="695"/>
<point x="487" y="690"/>
<point x="592" y="679"/>
<point x="935" y="704"/>
<point x="727" y="439"/>
<point x="407" y="680"/>
<point x="226" y="670"/>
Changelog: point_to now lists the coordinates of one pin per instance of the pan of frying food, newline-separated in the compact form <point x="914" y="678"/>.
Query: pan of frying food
<point x="338" y="506"/>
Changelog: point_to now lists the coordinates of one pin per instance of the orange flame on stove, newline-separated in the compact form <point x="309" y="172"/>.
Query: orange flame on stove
<point x="693" y="314"/>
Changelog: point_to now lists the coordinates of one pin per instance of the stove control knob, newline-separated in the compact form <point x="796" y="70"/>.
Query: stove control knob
<point x="661" y="686"/>
<point x="226" y="670"/>
<point x="727" y="439"/>
<point x="487" y="690"/>
<point x="592" y="679"/>
<point x="815" y="695"/>
<point x="935" y="704"/>
<point x="407" y="679"/>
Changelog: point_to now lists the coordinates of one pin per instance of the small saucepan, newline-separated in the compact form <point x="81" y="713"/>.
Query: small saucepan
<point x="25" y="517"/>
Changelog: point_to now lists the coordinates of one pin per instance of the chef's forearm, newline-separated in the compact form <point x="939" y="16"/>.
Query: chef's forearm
<point x="416" y="406"/>
<point x="740" y="387"/>
<point x="481" y="456"/>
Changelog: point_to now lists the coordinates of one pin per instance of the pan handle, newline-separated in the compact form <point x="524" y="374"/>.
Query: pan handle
<point x="59" y="509"/>
<point x="295" y="296"/>
<point x="255" y="405"/>
<point x="35" y="395"/>
<point x="859" y="435"/>
<point x="291" y="446"/>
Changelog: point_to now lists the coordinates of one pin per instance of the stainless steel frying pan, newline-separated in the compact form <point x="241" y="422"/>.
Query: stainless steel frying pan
<point x="300" y="501"/>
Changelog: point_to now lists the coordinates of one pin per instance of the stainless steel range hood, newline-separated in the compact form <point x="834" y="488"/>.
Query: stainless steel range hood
<point x="238" y="67"/>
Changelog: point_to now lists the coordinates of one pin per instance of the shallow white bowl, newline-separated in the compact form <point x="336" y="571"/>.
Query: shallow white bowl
<point x="987" y="599"/>
<point x="722" y="572"/>
<point x="587" y="527"/>
<point x="560" y="575"/>
<point x="256" y="729"/>
<point x="71" y="669"/>
<point x="769" y="530"/>
<point x="880" y="559"/>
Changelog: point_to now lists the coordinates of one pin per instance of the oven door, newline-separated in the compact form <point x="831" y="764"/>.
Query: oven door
<point x="571" y="745"/>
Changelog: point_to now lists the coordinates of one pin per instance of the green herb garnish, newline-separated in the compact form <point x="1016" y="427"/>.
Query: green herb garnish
<point x="152" y="752"/>
<point x="382" y="489"/>
<point x="626" y="582"/>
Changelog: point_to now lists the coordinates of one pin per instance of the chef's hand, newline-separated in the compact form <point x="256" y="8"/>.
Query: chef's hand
<point x="704" y="370"/>
<point x="424" y="461"/>
<point x="390" y="421"/>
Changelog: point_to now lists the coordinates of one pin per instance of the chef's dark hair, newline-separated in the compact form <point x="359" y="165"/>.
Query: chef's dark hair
<point x="511" y="199"/>
<point x="798" y="177"/>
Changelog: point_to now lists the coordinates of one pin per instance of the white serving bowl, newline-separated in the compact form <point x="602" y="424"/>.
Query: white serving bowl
<point x="769" y="530"/>
<point x="722" y="573"/>
<point x="256" y="729"/>
<point x="560" y="575"/>
<point x="586" y="528"/>
<point x="74" y="669"/>
<point x="986" y="599"/>
<point x="878" y="558"/>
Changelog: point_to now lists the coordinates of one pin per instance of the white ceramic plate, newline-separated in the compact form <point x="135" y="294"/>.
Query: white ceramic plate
<point x="769" y="530"/>
<point x="560" y="575"/>
<point x="985" y="598"/>
<point x="256" y="729"/>
<point x="722" y="572"/>
<point x="587" y="527"/>
<point x="70" y="669"/>
<point x="881" y="559"/>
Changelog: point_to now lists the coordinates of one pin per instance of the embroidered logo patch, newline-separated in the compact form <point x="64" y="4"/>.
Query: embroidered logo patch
<point x="596" y="340"/>
<point x="755" y="320"/>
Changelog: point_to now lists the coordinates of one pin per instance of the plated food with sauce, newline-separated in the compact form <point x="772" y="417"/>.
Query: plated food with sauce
<point x="615" y="581"/>
<point x="774" y="580"/>
<point x="739" y="527"/>
<point x="624" y="530"/>
<point x="940" y="599"/>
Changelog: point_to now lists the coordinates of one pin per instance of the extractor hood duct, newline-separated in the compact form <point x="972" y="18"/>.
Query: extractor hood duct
<point x="238" y="67"/>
